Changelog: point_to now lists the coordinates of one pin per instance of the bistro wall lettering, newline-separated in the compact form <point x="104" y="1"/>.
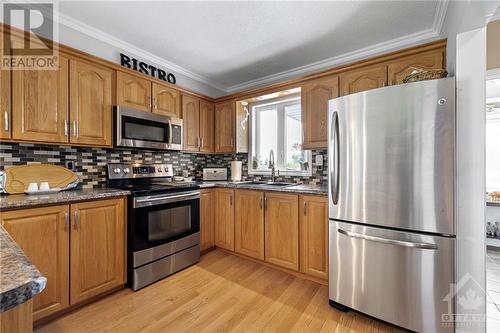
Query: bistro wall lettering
<point x="144" y="68"/>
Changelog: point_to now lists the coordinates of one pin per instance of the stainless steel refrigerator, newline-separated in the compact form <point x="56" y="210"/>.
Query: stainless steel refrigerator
<point x="391" y="202"/>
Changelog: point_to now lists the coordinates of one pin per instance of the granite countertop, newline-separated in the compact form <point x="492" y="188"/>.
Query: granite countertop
<point x="17" y="201"/>
<point x="493" y="203"/>
<point x="20" y="280"/>
<point x="299" y="188"/>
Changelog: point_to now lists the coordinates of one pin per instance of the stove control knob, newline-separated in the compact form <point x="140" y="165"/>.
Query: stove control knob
<point x="166" y="169"/>
<point x="126" y="170"/>
<point x="159" y="170"/>
<point x="117" y="170"/>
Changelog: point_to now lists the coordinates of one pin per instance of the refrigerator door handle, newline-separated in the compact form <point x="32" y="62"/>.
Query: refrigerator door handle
<point x="428" y="246"/>
<point x="334" y="158"/>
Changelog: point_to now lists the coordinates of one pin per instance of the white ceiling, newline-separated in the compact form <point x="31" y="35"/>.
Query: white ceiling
<point x="234" y="45"/>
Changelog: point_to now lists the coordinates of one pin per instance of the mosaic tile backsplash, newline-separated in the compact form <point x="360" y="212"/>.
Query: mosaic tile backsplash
<point x="90" y="163"/>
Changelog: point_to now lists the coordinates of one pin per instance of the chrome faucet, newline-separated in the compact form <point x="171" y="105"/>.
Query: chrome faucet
<point x="271" y="165"/>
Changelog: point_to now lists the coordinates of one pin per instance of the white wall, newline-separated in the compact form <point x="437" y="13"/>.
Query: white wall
<point x="470" y="67"/>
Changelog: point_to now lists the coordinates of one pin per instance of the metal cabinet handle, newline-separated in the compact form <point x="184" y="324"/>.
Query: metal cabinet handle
<point x="428" y="246"/>
<point x="66" y="222"/>
<point x="66" y="128"/>
<point x="75" y="129"/>
<point x="261" y="203"/>
<point x="265" y="203"/>
<point x="154" y="103"/>
<point x="305" y="208"/>
<point x="231" y="200"/>
<point x="75" y="219"/>
<point x="150" y="101"/>
<point x="201" y="142"/>
<point x="6" y="121"/>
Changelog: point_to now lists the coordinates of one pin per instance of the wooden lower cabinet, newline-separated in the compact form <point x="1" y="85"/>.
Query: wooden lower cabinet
<point x="314" y="235"/>
<point x="43" y="235"/>
<point x="282" y="229"/>
<point x="79" y="248"/>
<point x="97" y="248"/>
<point x="224" y="218"/>
<point x="206" y="219"/>
<point x="249" y="223"/>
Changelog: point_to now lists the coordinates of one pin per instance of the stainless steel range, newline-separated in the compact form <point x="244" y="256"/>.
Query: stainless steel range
<point x="163" y="221"/>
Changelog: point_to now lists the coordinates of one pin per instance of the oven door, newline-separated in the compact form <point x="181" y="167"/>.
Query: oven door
<point x="161" y="225"/>
<point x="141" y="129"/>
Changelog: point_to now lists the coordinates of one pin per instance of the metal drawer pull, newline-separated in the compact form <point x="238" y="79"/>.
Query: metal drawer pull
<point x="305" y="208"/>
<point x="428" y="246"/>
<point x="260" y="203"/>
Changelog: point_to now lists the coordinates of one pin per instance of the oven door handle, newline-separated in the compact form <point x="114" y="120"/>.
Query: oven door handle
<point x="153" y="201"/>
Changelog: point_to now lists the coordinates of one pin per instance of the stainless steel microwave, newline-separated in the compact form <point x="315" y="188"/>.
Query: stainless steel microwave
<point x="139" y="129"/>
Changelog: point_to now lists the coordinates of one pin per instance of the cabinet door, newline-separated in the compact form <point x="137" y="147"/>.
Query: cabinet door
<point x="133" y="91"/>
<point x="249" y="223"/>
<point x="97" y="248"/>
<point x="401" y="68"/>
<point x="91" y="109"/>
<point x="315" y="97"/>
<point x="191" y="122"/>
<point x="363" y="79"/>
<point x="206" y="220"/>
<point x="224" y="218"/>
<point x="166" y="100"/>
<point x="282" y="229"/>
<point x="314" y="235"/>
<point x="224" y="127"/>
<point x="43" y="235"/>
<point x="5" y="106"/>
<point x="40" y="104"/>
<point x="206" y="126"/>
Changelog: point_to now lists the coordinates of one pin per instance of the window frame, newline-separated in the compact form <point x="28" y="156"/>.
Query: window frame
<point x="280" y="157"/>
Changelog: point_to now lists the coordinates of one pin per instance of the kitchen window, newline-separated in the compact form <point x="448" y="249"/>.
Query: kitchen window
<point x="277" y="125"/>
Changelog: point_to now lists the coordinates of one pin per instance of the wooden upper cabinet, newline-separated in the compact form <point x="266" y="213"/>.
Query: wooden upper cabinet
<point x="313" y="212"/>
<point x="40" y="104"/>
<point x="314" y="98"/>
<point x="206" y="219"/>
<point x="282" y="230"/>
<point x="191" y="122"/>
<point x="224" y="218"/>
<point x="399" y="69"/>
<point x="97" y="248"/>
<point x="166" y="100"/>
<point x="225" y="127"/>
<point x="91" y="109"/>
<point x="249" y="223"/>
<point x="5" y="105"/>
<point x="133" y="91"/>
<point x="206" y="126"/>
<point x="43" y="235"/>
<point x="363" y="79"/>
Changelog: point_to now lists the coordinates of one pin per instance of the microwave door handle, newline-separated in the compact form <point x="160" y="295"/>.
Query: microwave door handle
<point x="169" y="132"/>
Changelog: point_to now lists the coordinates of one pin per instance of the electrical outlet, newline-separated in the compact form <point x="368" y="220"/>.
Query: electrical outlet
<point x="319" y="160"/>
<point x="70" y="165"/>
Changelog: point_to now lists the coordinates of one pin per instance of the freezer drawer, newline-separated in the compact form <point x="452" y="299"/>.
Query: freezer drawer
<point x="399" y="277"/>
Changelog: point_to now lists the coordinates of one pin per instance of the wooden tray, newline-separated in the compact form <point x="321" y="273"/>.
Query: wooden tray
<point x="17" y="178"/>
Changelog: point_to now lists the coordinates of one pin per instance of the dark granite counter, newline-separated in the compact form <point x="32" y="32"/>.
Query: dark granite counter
<point x="17" y="201"/>
<point x="299" y="188"/>
<point x="493" y="203"/>
<point x="20" y="280"/>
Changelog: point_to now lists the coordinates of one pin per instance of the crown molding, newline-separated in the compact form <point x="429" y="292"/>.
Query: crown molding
<point x="98" y="34"/>
<point x="360" y="54"/>
<point x="413" y="39"/>
<point x="395" y="44"/>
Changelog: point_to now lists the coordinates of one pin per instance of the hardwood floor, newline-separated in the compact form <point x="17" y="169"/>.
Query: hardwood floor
<point x="221" y="293"/>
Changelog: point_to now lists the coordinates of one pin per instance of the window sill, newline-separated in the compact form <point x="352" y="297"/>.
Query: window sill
<point x="282" y="173"/>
